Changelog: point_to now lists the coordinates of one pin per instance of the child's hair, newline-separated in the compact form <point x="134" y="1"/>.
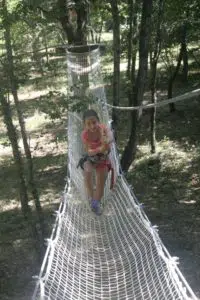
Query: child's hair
<point x="90" y="113"/>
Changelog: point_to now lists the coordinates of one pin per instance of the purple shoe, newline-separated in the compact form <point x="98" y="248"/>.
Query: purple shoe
<point x="95" y="205"/>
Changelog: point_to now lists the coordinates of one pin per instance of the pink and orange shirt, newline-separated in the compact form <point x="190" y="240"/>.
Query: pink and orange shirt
<point x="93" y="144"/>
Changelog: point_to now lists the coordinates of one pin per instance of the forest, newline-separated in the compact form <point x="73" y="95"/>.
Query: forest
<point x="150" y="52"/>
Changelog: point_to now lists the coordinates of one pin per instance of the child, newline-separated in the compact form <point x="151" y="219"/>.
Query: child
<point x="96" y="138"/>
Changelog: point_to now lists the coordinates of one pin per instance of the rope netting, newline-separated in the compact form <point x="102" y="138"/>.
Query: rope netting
<point x="115" y="256"/>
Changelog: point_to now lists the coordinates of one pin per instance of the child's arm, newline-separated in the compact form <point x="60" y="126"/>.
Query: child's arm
<point x="101" y="149"/>
<point x="110" y="136"/>
<point x="92" y="151"/>
<point x="107" y="139"/>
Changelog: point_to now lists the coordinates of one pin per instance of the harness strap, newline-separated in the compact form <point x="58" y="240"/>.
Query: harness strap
<point x="95" y="159"/>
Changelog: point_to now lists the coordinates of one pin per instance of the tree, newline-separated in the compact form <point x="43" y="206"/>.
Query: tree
<point x="98" y="17"/>
<point x="132" y="37"/>
<point x="6" y="23"/>
<point x="23" y="193"/>
<point x="180" y="20"/>
<point x="116" y="55"/>
<point x="130" y="149"/>
<point x="155" y="50"/>
<point x="72" y="16"/>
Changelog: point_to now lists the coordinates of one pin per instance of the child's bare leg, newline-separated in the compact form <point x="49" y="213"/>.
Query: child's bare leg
<point x="101" y="175"/>
<point x="88" y="178"/>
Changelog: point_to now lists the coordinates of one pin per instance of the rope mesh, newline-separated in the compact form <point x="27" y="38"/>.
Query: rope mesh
<point x="115" y="256"/>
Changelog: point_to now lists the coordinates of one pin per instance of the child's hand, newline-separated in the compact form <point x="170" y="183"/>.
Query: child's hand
<point x="93" y="151"/>
<point x="103" y="148"/>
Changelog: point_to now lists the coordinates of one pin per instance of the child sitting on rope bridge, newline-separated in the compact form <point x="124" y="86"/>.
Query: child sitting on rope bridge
<point x="96" y="138"/>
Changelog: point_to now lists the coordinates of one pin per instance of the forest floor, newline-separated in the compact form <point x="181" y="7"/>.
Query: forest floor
<point x="168" y="183"/>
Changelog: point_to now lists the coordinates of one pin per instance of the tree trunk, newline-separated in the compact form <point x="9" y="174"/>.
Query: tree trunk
<point x="13" y="85"/>
<point x="153" y="72"/>
<point x="16" y="155"/>
<point x="46" y="50"/>
<point x="130" y="149"/>
<point x="134" y="51"/>
<point x="65" y="21"/>
<point x="129" y="36"/>
<point x="6" y="112"/>
<point x="172" y="79"/>
<point x="82" y="18"/>
<point x="185" y="52"/>
<point x="116" y="55"/>
<point x="132" y="48"/>
<point x="153" y="110"/>
<point x="64" y="12"/>
<point x="78" y="35"/>
<point x="36" y="55"/>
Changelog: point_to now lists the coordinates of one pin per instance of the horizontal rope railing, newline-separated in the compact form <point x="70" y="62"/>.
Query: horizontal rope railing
<point x="185" y="96"/>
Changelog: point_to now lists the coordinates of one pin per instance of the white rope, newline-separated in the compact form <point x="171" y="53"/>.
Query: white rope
<point x="115" y="256"/>
<point x="185" y="96"/>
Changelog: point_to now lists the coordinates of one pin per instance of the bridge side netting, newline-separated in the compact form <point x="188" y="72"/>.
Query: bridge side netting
<point x="115" y="256"/>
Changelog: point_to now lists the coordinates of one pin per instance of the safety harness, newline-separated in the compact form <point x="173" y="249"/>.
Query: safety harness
<point x="95" y="160"/>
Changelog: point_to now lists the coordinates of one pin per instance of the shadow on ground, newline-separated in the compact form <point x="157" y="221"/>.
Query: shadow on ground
<point x="18" y="259"/>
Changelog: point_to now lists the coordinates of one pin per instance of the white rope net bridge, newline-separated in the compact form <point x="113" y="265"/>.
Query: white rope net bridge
<point x="115" y="256"/>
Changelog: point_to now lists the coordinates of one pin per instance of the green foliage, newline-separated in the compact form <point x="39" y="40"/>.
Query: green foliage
<point x="179" y="13"/>
<point x="54" y="104"/>
<point x="29" y="33"/>
<point x="12" y="5"/>
<point x="79" y="98"/>
<point x="4" y="141"/>
<point x="99" y="18"/>
<point x="79" y="104"/>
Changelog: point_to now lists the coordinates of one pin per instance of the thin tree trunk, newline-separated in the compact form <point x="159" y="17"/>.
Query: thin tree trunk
<point x="36" y="55"/>
<point x="185" y="52"/>
<point x="130" y="149"/>
<point x="13" y="84"/>
<point x="16" y="155"/>
<point x="153" y="110"/>
<point x="92" y="35"/>
<point x="98" y="37"/>
<point x="134" y="53"/>
<point x="153" y="72"/>
<point x="26" y="210"/>
<point x="129" y="36"/>
<point x="116" y="54"/>
<point x="46" y="50"/>
<point x="172" y="79"/>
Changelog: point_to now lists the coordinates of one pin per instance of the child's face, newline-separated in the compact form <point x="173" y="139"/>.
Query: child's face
<point x="91" y="124"/>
